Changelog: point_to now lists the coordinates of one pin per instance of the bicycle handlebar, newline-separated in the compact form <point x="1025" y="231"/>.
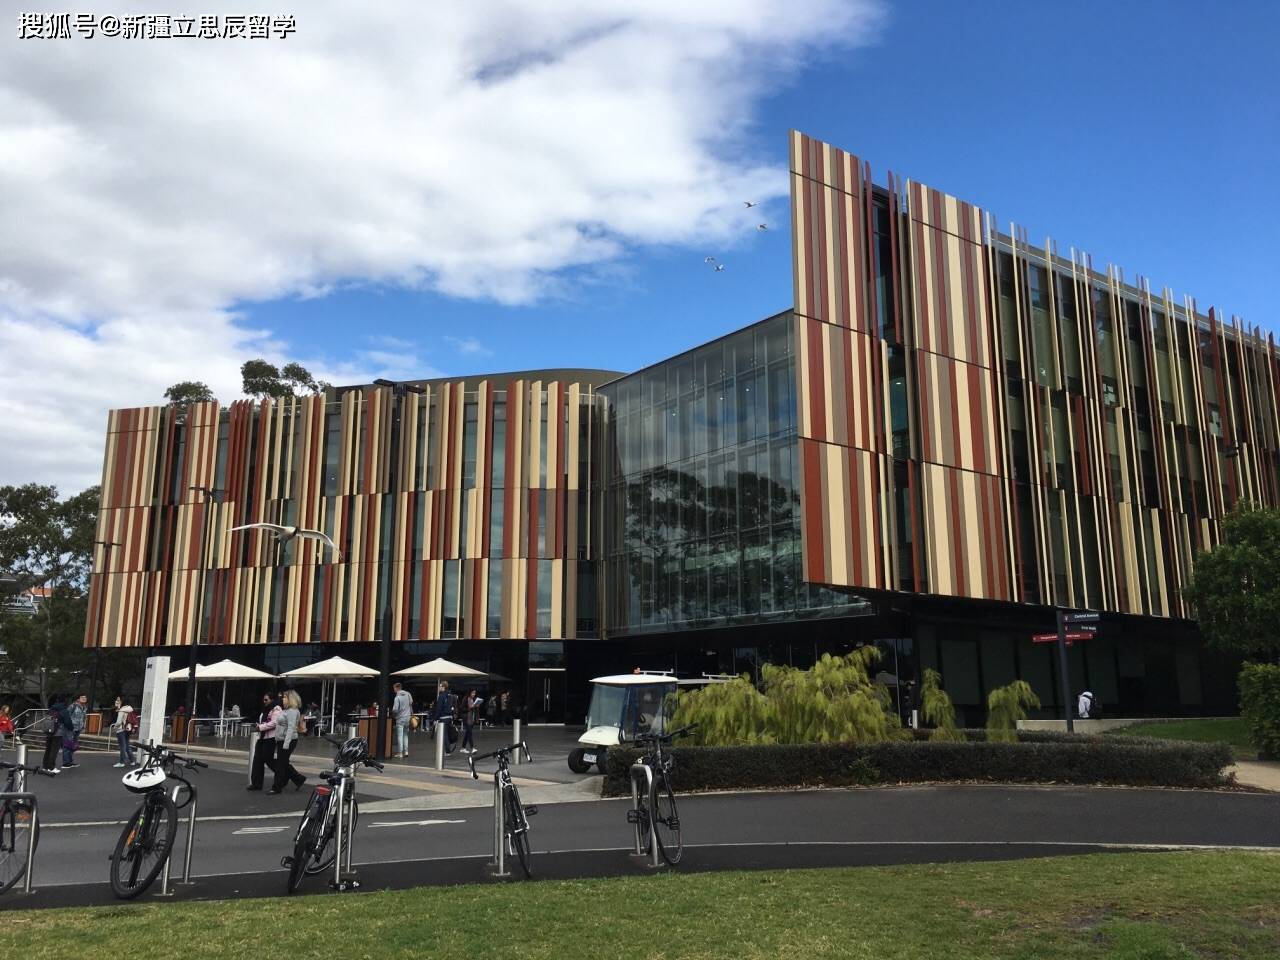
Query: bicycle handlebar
<point x="664" y="737"/>
<point x="164" y="755"/>
<point x="5" y="765"/>
<point x="503" y="751"/>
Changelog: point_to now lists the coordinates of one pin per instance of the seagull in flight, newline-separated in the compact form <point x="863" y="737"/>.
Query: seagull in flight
<point x="718" y="268"/>
<point x="284" y="534"/>
<point x="748" y="204"/>
<point x="762" y="227"/>
<point x="708" y="259"/>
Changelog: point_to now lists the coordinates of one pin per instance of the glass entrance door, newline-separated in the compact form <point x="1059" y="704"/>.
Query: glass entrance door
<point x="546" y="695"/>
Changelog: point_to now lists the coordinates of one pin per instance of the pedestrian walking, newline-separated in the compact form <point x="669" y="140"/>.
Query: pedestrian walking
<point x="491" y="709"/>
<point x="402" y="714"/>
<point x="504" y="708"/>
<point x="53" y="736"/>
<point x="286" y="741"/>
<point x="67" y="730"/>
<point x="470" y="713"/>
<point x="444" y="711"/>
<point x="123" y="725"/>
<point x="6" y="725"/>
<point x="264" y="752"/>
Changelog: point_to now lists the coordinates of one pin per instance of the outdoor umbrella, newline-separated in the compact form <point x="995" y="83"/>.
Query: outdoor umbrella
<point x="439" y="668"/>
<point x="223" y="670"/>
<point x="333" y="669"/>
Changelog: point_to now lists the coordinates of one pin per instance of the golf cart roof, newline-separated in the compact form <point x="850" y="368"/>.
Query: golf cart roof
<point x="634" y="679"/>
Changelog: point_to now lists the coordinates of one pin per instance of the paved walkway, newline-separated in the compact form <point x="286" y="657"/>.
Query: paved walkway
<point x="1261" y="774"/>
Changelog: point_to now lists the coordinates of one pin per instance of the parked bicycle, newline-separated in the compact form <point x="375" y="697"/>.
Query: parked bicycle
<point x="656" y="812"/>
<point x="147" y="839"/>
<point x="515" y="815"/>
<point x="17" y="819"/>
<point x="315" y="845"/>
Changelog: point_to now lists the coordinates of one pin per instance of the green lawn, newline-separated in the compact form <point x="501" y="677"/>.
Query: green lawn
<point x="1229" y="730"/>
<point x="1150" y="905"/>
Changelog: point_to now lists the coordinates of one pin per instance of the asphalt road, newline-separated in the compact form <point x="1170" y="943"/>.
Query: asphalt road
<point x="240" y="855"/>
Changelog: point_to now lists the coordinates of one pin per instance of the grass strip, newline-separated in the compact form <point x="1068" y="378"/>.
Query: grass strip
<point x="1229" y="730"/>
<point x="1149" y="905"/>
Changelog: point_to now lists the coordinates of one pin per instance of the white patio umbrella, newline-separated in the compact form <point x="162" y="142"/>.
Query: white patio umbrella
<point x="331" y="670"/>
<point x="439" y="668"/>
<point x="223" y="670"/>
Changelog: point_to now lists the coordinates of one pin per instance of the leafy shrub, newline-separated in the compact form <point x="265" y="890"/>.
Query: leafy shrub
<point x="1260" y="706"/>
<point x="938" y="708"/>
<point x="833" y="701"/>
<point x="1005" y="707"/>
<point x="1041" y="758"/>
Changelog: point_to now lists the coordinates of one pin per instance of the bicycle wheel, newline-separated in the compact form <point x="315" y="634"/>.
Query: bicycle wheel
<point x="517" y="827"/>
<point x="666" y="823"/>
<point x="323" y="859"/>
<point x="304" y="846"/>
<point x="144" y="845"/>
<point x="17" y="820"/>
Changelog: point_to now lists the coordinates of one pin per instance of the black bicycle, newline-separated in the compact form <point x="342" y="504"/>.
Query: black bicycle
<point x="315" y="843"/>
<point x="515" y="815"/>
<point x="18" y="818"/>
<point x="656" y="813"/>
<point x="147" y="839"/>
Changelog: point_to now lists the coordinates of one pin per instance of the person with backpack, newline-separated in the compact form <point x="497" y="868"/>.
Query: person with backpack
<point x="52" y="727"/>
<point x="126" y="724"/>
<point x="444" y="711"/>
<point x="402" y="714"/>
<point x="77" y="710"/>
<point x="470" y="714"/>
<point x="287" y="730"/>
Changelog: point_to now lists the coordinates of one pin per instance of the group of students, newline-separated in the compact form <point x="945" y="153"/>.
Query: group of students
<point x="448" y="706"/>
<point x="279" y="724"/>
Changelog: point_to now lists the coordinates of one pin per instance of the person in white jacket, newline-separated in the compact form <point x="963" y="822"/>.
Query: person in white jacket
<point x="264" y="754"/>
<point x="122" y="727"/>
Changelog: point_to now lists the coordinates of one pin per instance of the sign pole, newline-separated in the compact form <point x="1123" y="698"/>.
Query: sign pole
<point x="1063" y="680"/>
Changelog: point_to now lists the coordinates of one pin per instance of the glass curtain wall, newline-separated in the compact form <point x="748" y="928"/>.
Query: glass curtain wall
<point x="703" y="504"/>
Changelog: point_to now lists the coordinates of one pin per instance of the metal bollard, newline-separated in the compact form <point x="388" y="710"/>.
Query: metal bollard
<point x="515" y="741"/>
<point x="499" y="830"/>
<point x="20" y="760"/>
<point x="442" y="735"/>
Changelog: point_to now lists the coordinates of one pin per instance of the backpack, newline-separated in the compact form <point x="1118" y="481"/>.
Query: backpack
<point x="302" y="726"/>
<point x="51" y="723"/>
<point x="131" y="722"/>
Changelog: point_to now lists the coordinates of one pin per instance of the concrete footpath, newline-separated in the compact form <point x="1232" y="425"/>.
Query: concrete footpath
<point x="1259" y="774"/>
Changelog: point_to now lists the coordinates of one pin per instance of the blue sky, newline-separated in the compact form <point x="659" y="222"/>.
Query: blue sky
<point x="447" y="189"/>
<point x="1144" y="133"/>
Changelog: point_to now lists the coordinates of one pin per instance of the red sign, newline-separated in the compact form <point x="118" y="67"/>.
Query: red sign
<point x="1053" y="637"/>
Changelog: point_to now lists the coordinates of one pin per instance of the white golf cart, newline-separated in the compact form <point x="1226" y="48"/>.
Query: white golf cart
<point x="621" y="707"/>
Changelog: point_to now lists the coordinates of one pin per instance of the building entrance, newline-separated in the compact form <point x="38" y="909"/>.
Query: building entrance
<point x="545" y="703"/>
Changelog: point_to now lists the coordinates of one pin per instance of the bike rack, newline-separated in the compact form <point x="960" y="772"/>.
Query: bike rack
<point x="647" y="771"/>
<point x="499" y="861"/>
<point x="344" y="879"/>
<point x="190" y="842"/>
<point x="20" y="759"/>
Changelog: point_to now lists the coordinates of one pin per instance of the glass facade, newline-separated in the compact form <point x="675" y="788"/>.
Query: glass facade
<point x="703" y="499"/>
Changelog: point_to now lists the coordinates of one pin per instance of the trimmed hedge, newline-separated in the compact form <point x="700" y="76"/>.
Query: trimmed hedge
<point x="1037" y="757"/>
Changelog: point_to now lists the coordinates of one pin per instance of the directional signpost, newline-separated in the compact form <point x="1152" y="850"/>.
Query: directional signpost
<point x="1082" y="625"/>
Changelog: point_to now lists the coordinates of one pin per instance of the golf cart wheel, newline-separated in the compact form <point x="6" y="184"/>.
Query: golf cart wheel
<point x="576" y="763"/>
<point x="602" y="760"/>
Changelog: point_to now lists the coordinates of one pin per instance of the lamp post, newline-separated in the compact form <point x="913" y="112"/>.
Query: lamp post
<point x="107" y="546"/>
<point x="210" y="496"/>
<point x="398" y="391"/>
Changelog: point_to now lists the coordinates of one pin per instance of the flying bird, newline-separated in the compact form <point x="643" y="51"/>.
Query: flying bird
<point x="762" y="227"/>
<point x="708" y="259"/>
<point x="748" y="204"/>
<point x="284" y="534"/>
<point x="718" y="267"/>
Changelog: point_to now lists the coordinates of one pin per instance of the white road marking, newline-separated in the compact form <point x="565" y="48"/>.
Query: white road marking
<point x="249" y="831"/>
<point x="412" y="823"/>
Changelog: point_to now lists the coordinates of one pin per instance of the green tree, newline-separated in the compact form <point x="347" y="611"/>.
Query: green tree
<point x="1235" y="587"/>
<point x="1005" y="707"/>
<point x="45" y="542"/>
<point x="938" y="709"/>
<point x="189" y="391"/>
<point x="260" y="380"/>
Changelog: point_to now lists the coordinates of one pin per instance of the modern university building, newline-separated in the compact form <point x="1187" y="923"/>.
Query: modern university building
<point x="950" y="433"/>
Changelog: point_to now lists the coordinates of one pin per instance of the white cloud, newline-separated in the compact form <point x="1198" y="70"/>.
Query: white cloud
<point x="468" y="346"/>
<point x="475" y="149"/>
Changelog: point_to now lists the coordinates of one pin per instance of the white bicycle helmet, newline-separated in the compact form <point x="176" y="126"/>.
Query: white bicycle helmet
<point x="143" y="779"/>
